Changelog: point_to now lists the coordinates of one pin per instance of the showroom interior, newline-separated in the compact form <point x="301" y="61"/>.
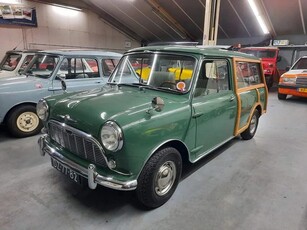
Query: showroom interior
<point x="240" y="184"/>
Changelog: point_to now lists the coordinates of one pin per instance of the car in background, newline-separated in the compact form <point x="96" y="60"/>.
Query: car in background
<point x="15" y="61"/>
<point x="163" y="105"/>
<point x="294" y="82"/>
<point x="80" y="69"/>
<point x="269" y="57"/>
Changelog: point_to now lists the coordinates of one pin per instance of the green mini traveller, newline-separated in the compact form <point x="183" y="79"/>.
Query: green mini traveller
<point x="163" y="105"/>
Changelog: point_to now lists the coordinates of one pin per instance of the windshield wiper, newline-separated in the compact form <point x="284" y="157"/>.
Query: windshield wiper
<point x="169" y="89"/>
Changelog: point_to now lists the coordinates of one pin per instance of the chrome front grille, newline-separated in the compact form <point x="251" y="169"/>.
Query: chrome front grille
<point x="301" y="81"/>
<point x="77" y="142"/>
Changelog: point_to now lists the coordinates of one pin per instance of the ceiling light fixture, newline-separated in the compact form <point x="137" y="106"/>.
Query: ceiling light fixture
<point x="11" y="1"/>
<point x="258" y="16"/>
<point x="66" y="7"/>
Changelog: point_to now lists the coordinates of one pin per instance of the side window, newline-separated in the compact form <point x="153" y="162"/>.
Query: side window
<point x="77" y="68"/>
<point x="213" y="78"/>
<point x="26" y="61"/>
<point x="108" y="66"/>
<point x="248" y="74"/>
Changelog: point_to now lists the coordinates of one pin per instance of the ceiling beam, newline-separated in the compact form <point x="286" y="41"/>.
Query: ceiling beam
<point x="268" y="19"/>
<point x="168" y="19"/>
<point x="112" y="21"/>
<point x="236" y="12"/>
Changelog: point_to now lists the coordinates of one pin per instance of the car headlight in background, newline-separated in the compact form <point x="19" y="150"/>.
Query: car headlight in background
<point x="42" y="110"/>
<point x="288" y="80"/>
<point x="111" y="136"/>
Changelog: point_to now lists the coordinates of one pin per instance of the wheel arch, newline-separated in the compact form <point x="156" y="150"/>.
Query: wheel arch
<point x="178" y="145"/>
<point x="16" y="106"/>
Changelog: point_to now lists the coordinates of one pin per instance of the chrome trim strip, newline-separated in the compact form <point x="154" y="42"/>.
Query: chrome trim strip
<point x="89" y="173"/>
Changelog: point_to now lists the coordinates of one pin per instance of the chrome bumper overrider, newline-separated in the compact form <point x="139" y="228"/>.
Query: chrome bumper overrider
<point x="90" y="173"/>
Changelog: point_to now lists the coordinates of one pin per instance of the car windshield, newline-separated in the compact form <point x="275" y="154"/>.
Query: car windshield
<point x="42" y="65"/>
<point x="300" y="64"/>
<point x="10" y="61"/>
<point x="260" y="53"/>
<point x="158" y="71"/>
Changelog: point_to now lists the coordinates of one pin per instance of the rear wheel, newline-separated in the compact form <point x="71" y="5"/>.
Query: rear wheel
<point x="282" y="96"/>
<point x="249" y="133"/>
<point x="159" y="178"/>
<point x="23" y="121"/>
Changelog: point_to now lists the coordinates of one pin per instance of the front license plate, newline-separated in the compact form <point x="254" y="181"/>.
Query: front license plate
<point x="74" y="176"/>
<point x="303" y="90"/>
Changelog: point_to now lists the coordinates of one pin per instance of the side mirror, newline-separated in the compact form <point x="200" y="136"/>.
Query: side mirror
<point x="278" y="58"/>
<point x="157" y="104"/>
<point x="287" y="68"/>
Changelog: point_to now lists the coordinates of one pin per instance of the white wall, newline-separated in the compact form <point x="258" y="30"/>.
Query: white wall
<point x="70" y="29"/>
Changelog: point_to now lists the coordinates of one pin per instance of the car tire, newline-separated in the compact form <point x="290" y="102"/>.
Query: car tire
<point x="282" y="96"/>
<point x="23" y="121"/>
<point x="249" y="133"/>
<point x="159" y="178"/>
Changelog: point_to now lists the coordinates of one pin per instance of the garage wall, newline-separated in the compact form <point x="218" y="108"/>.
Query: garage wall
<point x="62" y="28"/>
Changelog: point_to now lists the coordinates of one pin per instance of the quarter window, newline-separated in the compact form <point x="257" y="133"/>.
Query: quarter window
<point x="248" y="74"/>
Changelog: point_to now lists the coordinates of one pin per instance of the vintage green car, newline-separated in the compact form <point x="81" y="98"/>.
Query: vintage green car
<point x="134" y="133"/>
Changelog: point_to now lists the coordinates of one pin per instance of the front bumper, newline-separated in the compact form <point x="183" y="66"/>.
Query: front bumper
<point x="292" y="90"/>
<point x="89" y="173"/>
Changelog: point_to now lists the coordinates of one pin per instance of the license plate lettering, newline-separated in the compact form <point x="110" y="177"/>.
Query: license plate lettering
<point x="303" y="90"/>
<point x="65" y="170"/>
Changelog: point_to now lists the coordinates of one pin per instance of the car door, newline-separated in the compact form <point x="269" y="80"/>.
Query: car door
<point x="78" y="74"/>
<point x="214" y="106"/>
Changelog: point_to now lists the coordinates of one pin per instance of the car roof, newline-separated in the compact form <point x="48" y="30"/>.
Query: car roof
<point x="219" y="51"/>
<point x="22" y="51"/>
<point x="81" y="52"/>
<point x="260" y="48"/>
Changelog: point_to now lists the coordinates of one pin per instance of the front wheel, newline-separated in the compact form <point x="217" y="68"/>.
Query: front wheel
<point x="282" y="96"/>
<point x="252" y="127"/>
<point x="23" y="121"/>
<point x="159" y="178"/>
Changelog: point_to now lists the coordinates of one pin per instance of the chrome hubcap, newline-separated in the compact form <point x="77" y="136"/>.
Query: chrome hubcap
<point x="165" y="178"/>
<point x="27" y="121"/>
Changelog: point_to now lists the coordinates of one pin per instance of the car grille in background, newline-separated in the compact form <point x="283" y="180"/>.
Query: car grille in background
<point x="301" y="81"/>
<point x="76" y="143"/>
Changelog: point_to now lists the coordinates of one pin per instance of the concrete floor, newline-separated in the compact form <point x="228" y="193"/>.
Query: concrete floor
<point x="257" y="184"/>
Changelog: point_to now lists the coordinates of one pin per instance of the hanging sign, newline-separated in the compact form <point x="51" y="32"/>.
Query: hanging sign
<point x="18" y="15"/>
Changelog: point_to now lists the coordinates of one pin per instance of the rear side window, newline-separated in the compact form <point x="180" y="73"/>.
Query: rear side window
<point x="248" y="74"/>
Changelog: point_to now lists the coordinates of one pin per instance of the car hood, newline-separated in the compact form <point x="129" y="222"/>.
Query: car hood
<point x="125" y="105"/>
<point x="297" y="72"/>
<point x="21" y="83"/>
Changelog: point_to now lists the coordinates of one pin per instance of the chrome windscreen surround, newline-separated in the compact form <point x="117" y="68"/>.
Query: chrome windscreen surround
<point x="77" y="142"/>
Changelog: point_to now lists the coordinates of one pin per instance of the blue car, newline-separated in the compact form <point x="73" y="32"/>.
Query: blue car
<point x="80" y="69"/>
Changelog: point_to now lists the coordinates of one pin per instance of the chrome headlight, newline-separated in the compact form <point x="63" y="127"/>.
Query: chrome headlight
<point x="111" y="136"/>
<point x="42" y="109"/>
<point x="289" y="80"/>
